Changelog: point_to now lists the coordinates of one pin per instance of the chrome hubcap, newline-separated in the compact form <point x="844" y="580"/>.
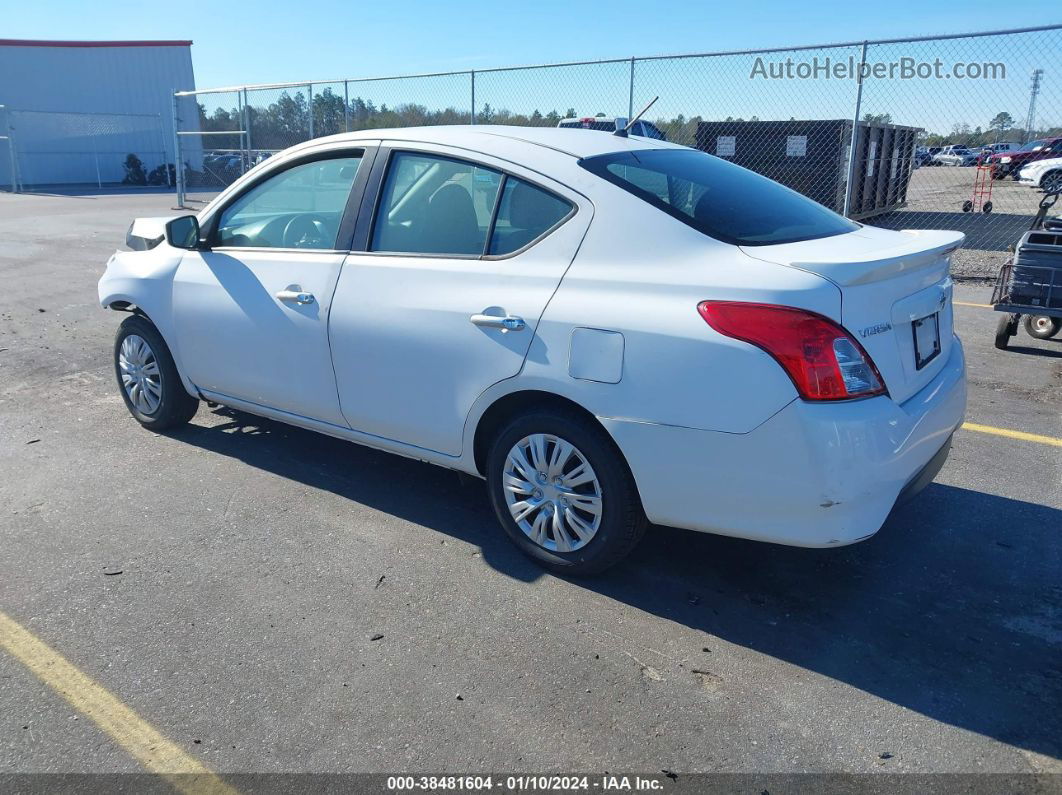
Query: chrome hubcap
<point x="1041" y="323"/>
<point x="552" y="492"/>
<point x="140" y="373"/>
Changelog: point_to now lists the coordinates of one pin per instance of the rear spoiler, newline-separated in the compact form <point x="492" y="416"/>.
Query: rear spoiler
<point x="925" y="248"/>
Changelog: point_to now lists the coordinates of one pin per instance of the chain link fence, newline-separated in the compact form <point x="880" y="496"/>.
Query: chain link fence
<point x="54" y="150"/>
<point x="8" y="160"/>
<point x="907" y="134"/>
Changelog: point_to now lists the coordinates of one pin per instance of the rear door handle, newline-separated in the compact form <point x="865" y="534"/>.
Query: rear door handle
<point x="506" y="323"/>
<point x="295" y="297"/>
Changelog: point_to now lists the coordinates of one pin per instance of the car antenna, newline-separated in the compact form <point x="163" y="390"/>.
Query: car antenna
<point x="623" y="133"/>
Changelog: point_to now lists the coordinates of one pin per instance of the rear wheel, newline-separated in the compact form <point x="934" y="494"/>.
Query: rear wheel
<point x="1042" y="327"/>
<point x="1005" y="329"/>
<point x="563" y="493"/>
<point x="148" y="378"/>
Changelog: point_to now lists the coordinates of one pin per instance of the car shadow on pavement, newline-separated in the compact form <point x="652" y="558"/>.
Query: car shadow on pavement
<point x="953" y="610"/>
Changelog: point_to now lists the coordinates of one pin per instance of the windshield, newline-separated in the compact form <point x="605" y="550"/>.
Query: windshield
<point x="1031" y="145"/>
<point x="717" y="198"/>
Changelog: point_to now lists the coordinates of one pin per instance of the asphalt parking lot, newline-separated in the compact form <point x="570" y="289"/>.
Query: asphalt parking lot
<point x="258" y="563"/>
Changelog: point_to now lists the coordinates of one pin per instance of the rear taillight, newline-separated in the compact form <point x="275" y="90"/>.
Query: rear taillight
<point x="824" y="361"/>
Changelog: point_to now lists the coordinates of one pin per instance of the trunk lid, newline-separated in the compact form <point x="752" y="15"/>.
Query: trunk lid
<point x="896" y="295"/>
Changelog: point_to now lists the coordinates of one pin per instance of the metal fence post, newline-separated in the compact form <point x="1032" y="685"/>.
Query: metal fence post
<point x="247" y="128"/>
<point x="309" y="94"/>
<point x="630" y="92"/>
<point x="472" y="118"/>
<point x="346" y="106"/>
<point x="178" y="161"/>
<point x="855" y="130"/>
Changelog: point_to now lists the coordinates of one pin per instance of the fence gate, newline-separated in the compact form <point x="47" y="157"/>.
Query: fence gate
<point x="51" y="149"/>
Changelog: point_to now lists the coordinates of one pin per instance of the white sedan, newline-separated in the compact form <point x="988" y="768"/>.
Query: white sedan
<point x="611" y="331"/>
<point x="1043" y="174"/>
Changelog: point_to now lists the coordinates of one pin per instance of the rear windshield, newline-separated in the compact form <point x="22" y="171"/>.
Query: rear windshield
<point x="716" y="197"/>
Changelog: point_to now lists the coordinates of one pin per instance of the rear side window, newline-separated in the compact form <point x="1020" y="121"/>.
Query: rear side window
<point x="443" y="206"/>
<point x="525" y="214"/>
<point x="718" y="198"/>
<point x="435" y="205"/>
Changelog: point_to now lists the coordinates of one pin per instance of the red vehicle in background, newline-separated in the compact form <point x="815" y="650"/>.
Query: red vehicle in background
<point x="1012" y="162"/>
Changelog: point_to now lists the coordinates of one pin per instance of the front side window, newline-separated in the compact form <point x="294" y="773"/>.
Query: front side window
<point x="436" y="205"/>
<point x="301" y="207"/>
<point x="718" y="198"/>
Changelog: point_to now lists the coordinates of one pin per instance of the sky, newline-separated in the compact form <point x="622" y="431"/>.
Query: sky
<point x="270" y="41"/>
<point x="246" y="43"/>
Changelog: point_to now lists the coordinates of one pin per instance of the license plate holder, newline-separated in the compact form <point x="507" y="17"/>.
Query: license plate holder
<point x="926" y="331"/>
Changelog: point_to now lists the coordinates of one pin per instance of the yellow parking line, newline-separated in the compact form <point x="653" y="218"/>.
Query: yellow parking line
<point x="137" y="737"/>
<point x="967" y="303"/>
<point x="1025" y="437"/>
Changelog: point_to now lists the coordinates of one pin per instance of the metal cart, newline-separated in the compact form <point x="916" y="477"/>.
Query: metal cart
<point x="1030" y="283"/>
<point x="981" y="199"/>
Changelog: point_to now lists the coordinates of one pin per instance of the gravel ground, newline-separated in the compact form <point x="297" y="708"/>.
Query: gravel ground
<point x="935" y="197"/>
<point x="259" y="562"/>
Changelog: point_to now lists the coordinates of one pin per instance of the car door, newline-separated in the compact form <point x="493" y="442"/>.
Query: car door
<point x="445" y="292"/>
<point x="251" y="308"/>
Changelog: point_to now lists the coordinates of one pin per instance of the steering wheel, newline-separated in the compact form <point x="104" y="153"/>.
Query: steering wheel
<point x="305" y="231"/>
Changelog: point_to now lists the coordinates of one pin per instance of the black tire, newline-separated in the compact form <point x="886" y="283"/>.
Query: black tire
<point x="987" y="208"/>
<point x="623" y="521"/>
<point x="1005" y="329"/>
<point x="176" y="406"/>
<point x="1042" y="327"/>
<point x="1051" y="182"/>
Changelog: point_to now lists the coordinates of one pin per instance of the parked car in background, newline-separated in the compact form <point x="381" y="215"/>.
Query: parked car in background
<point x="922" y="156"/>
<point x="994" y="149"/>
<point x="955" y="155"/>
<point x="1011" y="162"/>
<point x="645" y="129"/>
<point x="611" y="331"/>
<point x="1043" y="174"/>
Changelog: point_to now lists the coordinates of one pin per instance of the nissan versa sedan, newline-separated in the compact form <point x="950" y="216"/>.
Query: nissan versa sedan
<point x="610" y="331"/>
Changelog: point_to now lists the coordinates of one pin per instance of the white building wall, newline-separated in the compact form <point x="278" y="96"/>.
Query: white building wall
<point x="78" y="108"/>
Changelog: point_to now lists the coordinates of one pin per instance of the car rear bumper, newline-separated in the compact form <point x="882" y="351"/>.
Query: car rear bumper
<point x="814" y="474"/>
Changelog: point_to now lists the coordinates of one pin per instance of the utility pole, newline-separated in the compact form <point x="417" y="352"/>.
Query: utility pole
<point x="1034" y="90"/>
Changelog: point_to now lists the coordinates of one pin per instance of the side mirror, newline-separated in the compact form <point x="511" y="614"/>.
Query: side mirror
<point x="183" y="232"/>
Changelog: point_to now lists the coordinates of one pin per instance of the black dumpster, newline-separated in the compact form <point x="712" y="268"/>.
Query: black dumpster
<point x="812" y="157"/>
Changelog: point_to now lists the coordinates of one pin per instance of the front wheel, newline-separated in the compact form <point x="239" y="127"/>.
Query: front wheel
<point x="148" y="378"/>
<point x="563" y="493"/>
<point x="1005" y="329"/>
<point x="1042" y="327"/>
<point x="1052" y="183"/>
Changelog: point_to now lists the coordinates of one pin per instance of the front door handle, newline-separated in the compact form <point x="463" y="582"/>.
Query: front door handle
<point x="505" y="323"/>
<point x="296" y="297"/>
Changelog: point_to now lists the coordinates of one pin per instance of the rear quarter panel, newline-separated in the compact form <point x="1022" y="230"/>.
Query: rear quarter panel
<point x="642" y="274"/>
